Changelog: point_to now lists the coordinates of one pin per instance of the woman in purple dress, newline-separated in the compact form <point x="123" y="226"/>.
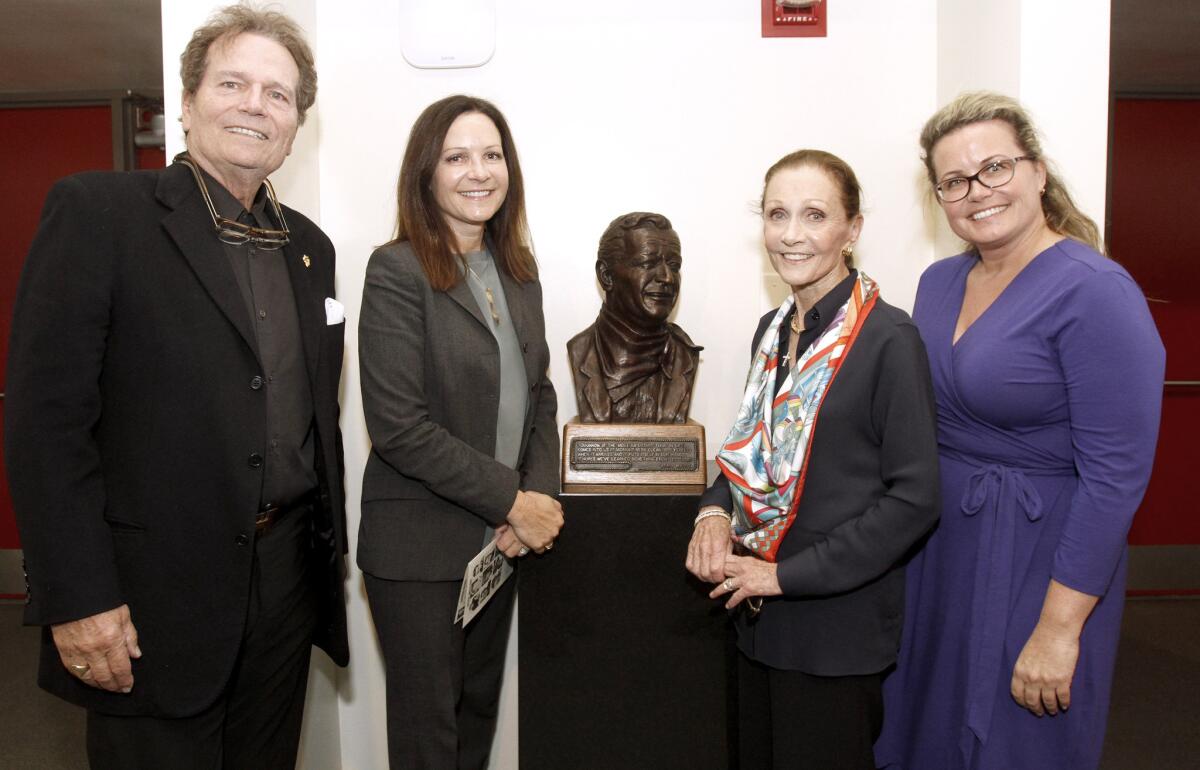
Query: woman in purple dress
<point x="1048" y="375"/>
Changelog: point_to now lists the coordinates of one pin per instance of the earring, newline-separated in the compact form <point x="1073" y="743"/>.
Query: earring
<point x="848" y="250"/>
<point x="1043" y="192"/>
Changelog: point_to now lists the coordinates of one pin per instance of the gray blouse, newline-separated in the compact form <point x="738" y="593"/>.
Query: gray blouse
<point x="514" y="387"/>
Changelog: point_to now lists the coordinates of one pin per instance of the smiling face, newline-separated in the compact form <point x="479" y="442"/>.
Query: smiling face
<point x="642" y="285"/>
<point x="805" y="228"/>
<point x="991" y="219"/>
<point x="470" y="181"/>
<point x="242" y="119"/>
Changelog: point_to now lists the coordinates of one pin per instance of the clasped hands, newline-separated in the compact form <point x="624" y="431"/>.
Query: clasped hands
<point x="532" y="525"/>
<point x="710" y="557"/>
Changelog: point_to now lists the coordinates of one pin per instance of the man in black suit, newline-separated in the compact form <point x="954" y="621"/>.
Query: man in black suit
<point x="172" y="427"/>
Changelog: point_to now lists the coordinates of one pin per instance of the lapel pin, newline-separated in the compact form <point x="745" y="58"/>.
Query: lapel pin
<point x="307" y="261"/>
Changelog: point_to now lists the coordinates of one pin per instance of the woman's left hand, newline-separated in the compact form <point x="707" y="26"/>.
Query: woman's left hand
<point x="746" y="577"/>
<point x="509" y="544"/>
<point x="1041" y="680"/>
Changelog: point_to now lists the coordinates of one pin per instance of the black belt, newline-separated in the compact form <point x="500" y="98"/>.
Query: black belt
<point x="267" y="517"/>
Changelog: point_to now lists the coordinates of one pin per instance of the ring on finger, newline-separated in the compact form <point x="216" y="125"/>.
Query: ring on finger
<point x="728" y="584"/>
<point x="81" y="669"/>
<point x="524" y="550"/>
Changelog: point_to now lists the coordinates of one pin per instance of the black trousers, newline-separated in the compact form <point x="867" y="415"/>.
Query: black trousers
<point x="255" y="724"/>
<point x="443" y="681"/>
<point x="789" y="719"/>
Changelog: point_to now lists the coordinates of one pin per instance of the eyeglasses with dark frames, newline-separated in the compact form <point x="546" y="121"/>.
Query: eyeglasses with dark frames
<point x="997" y="172"/>
<point x="233" y="232"/>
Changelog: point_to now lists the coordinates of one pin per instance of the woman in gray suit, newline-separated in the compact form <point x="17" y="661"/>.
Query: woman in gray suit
<point x="461" y="416"/>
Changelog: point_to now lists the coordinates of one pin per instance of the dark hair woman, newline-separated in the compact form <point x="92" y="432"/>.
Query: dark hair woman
<point x="829" y="476"/>
<point x="461" y="414"/>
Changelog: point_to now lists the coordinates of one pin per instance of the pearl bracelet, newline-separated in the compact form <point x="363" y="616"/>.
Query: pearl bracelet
<point x="709" y="513"/>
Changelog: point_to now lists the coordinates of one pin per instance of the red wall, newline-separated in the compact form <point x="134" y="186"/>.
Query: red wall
<point x="1154" y="231"/>
<point x="37" y="146"/>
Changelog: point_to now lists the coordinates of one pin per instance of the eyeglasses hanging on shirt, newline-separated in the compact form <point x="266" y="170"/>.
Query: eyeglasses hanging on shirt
<point x="236" y="233"/>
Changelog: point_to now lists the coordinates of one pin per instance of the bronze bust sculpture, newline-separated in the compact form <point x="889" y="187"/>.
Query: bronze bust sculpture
<point x="632" y="365"/>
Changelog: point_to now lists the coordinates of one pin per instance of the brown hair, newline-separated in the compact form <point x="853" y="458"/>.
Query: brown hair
<point x="420" y="220"/>
<point x="234" y="20"/>
<point x="1062" y="215"/>
<point x="838" y="170"/>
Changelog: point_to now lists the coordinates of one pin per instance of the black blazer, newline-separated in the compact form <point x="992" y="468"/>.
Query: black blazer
<point x="133" y="422"/>
<point x="430" y="385"/>
<point x="871" y="493"/>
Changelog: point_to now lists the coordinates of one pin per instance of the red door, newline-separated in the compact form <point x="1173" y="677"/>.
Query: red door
<point x="1154" y="231"/>
<point x="37" y="146"/>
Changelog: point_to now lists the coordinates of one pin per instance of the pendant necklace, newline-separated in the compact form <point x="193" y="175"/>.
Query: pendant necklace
<point x="487" y="292"/>
<point x="796" y="329"/>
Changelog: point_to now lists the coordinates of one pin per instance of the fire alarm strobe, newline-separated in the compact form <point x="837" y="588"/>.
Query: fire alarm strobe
<point x="794" y="18"/>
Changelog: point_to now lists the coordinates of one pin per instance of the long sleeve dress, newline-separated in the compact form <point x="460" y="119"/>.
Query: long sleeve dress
<point x="1048" y="410"/>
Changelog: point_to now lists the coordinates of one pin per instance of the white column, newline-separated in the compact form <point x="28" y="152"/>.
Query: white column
<point x="1051" y="55"/>
<point x="298" y="185"/>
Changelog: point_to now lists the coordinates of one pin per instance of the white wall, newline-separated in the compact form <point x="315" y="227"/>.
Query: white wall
<point x="628" y="105"/>
<point x="1053" y="57"/>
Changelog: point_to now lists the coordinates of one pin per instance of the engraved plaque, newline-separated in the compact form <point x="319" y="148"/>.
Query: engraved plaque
<point x="633" y="458"/>
<point x="635" y="455"/>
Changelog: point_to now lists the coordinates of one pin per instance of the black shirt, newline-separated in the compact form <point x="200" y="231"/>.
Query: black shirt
<point x="816" y="321"/>
<point x="288" y="470"/>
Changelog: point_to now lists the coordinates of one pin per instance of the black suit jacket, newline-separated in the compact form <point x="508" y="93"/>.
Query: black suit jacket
<point x="430" y="384"/>
<point x="133" y="426"/>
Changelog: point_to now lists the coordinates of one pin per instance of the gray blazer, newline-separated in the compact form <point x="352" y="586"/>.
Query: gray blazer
<point x="430" y="371"/>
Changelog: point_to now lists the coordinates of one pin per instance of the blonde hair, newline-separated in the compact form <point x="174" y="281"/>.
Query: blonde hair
<point x="1062" y="215"/>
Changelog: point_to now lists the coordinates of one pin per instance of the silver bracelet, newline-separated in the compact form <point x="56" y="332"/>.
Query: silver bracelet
<point x="709" y="513"/>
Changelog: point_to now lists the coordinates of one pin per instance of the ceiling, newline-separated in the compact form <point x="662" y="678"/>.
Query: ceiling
<point x="1155" y="47"/>
<point x="104" y="45"/>
<point x="81" y="45"/>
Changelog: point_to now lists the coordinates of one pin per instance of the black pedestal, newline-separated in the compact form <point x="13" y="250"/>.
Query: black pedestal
<point x="624" y="660"/>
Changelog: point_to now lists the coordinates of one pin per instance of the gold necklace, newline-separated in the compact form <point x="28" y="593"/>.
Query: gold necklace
<point x="487" y="292"/>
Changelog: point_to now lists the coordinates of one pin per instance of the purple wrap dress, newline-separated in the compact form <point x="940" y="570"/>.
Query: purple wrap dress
<point x="1048" y="410"/>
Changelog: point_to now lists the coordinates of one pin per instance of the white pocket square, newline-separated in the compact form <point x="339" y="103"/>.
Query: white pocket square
<point x="335" y="312"/>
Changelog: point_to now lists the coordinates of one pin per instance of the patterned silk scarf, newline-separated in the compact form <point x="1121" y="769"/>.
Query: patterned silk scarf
<point x="765" y="456"/>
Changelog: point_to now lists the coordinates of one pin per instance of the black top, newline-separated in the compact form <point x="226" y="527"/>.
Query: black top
<point x="870" y="494"/>
<point x="266" y="289"/>
<point x="816" y="321"/>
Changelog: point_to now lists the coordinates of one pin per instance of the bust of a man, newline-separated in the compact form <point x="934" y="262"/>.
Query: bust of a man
<point x="631" y="365"/>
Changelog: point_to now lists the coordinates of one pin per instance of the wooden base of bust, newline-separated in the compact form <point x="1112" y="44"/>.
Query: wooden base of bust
<point x="633" y="458"/>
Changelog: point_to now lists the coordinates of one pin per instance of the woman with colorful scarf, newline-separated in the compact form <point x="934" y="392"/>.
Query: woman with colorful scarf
<point x="829" y="478"/>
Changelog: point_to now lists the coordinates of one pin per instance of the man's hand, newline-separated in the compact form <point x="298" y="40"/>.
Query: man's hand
<point x="97" y="649"/>
<point x="535" y="519"/>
